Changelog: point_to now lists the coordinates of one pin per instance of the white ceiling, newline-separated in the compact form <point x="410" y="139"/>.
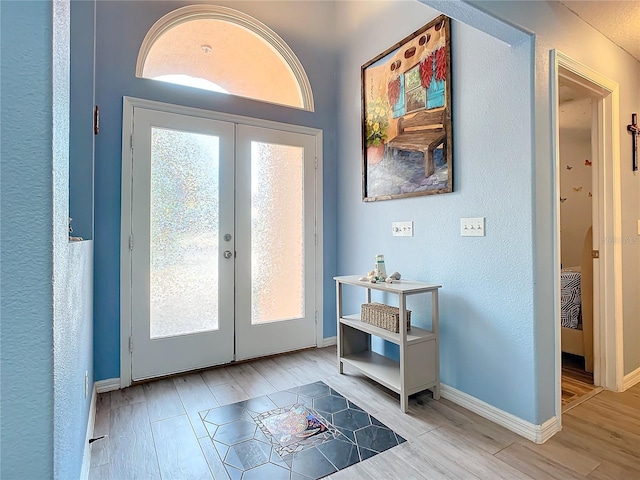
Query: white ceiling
<point x="617" y="20"/>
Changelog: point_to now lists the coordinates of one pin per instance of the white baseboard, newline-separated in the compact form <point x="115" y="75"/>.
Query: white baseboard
<point x="530" y="431"/>
<point x="631" y="379"/>
<point x="86" y="456"/>
<point x="108" y="385"/>
<point x="328" y="342"/>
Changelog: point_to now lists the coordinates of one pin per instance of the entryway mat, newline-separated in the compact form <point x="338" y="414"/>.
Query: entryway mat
<point x="303" y="433"/>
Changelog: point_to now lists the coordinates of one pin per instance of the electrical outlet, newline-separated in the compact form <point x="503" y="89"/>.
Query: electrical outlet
<point x="472" y="227"/>
<point x="402" y="229"/>
<point x="86" y="384"/>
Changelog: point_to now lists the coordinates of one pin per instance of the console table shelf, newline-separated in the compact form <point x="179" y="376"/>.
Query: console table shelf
<point x="418" y="368"/>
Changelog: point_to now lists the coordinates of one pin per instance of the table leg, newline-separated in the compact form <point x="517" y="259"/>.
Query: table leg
<point x="436" y="392"/>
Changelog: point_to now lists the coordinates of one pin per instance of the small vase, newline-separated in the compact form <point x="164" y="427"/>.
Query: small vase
<point x="375" y="154"/>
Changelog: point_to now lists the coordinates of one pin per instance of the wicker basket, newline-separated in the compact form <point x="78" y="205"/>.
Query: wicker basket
<point x="383" y="316"/>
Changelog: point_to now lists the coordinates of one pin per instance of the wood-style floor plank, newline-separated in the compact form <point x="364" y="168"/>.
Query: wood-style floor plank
<point x="213" y="459"/>
<point x="133" y="453"/>
<point x="610" y="471"/>
<point x="163" y="400"/>
<point x="279" y="377"/>
<point x="250" y="380"/>
<point x="227" y="393"/>
<point x="534" y="465"/>
<point x="600" y="439"/>
<point x="217" y="376"/>
<point x="388" y="465"/>
<point x="196" y="397"/>
<point x="427" y="460"/>
<point x="450" y="444"/>
<point x="127" y="396"/>
<point x="587" y="441"/>
<point x="570" y="458"/>
<point x="179" y="453"/>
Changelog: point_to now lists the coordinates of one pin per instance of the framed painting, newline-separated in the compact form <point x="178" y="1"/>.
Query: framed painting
<point x="407" y="137"/>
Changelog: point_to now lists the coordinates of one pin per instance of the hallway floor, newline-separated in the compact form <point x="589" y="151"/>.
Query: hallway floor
<point x="155" y="430"/>
<point x="577" y="383"/>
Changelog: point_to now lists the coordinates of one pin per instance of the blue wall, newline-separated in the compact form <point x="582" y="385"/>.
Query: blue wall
<point x="81" y="122"/>
<point x="120" y="29"/>
<point x="27" y="258"/>
<point x="486" y="303"/>
<point x="72" y="278"/>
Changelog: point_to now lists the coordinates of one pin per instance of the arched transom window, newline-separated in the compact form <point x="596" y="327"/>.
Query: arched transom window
<point x="224" y="50"/>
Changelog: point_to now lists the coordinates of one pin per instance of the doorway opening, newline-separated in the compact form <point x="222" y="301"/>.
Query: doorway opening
<point x="585" y="140"/>
<point x="577" y="157"/>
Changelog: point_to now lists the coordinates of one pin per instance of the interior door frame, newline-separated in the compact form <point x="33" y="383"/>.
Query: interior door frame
<point x="128" y="105"/>
<point x="607" y="330"/>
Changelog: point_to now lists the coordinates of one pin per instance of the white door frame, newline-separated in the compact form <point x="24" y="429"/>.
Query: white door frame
<point x="607" y="331"/>
<point x="128" y="104"/>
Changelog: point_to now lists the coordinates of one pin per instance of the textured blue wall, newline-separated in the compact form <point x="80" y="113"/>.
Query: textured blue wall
<point x="303" y="25"/>
<point x="26" y="291"/>
<point x="486" y="303"/>
<point x="72" y="279"/>
<point x="81" y="122"/>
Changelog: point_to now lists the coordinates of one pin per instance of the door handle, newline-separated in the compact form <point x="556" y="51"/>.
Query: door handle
<point x="227" y="254"/>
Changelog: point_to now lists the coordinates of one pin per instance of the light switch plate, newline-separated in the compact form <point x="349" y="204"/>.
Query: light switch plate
<point x="402" y="229"/>
<point x="472" y="227"/>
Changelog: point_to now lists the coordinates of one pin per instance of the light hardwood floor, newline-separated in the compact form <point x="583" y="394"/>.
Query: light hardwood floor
<point x="577" y="383"/>
<point x="154" y="430"/>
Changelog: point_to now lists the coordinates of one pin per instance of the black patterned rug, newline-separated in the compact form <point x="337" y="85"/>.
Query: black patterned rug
<point x="303" y="433"/>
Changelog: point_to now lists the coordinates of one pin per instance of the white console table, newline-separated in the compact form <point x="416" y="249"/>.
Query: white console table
<point x="418" y="368"/>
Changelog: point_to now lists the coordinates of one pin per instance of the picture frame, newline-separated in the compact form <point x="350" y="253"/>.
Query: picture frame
<point x="407" y="134"/>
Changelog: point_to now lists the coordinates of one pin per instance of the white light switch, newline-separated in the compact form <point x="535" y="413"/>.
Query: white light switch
<point x="402" y="229"/>
<point x="472" y="227"/>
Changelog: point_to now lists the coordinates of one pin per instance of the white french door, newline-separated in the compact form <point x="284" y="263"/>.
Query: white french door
<point x="275" y="219"/>
<point x="222" y="250"/>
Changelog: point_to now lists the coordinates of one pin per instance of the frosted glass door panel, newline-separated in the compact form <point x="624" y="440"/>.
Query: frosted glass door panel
<point x="275" y="287"/>
<point x="277" y="232"/>
<point x="184" y="233"/>
<point x="182" y="220"/>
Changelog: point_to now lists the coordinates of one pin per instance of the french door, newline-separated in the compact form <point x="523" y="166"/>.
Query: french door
<point x="222" y="251"/>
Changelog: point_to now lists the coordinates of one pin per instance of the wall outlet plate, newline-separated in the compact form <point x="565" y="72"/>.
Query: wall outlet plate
<point x="402" y="229"/>
<point x="472" y="227"/>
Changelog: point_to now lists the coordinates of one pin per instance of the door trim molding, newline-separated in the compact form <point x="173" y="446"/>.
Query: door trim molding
<point x="608" y="354"/>
<point x="125" y="235"/>
<point x="128" y="105"/>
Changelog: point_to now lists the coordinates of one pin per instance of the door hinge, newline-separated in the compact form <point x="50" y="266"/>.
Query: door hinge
<point x="316" y="317"/>
<point x="131" y="344"/>
<point x="96" y="120"/>
<point x="131" y="141"/>
<point x="131" y="242"/>
<point x="595" y="253"/>
<point x="315" y="163"/>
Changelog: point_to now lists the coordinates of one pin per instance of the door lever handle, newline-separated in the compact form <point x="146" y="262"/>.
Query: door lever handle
<point x="227" y="254"/>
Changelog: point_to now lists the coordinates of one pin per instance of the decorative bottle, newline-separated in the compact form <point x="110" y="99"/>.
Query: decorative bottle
<point x="380" y="268"/>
